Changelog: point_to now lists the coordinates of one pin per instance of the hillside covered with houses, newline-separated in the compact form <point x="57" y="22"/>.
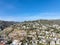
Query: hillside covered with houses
<point x="38" y="32"/>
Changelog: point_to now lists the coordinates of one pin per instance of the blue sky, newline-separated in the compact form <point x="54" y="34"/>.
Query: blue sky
<point x="21" y="10"/>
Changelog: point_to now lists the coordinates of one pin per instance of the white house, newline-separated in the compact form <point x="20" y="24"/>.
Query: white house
<point x="26" y="43"/>
<point x="19" y="43"/>
<point x="52" y="42"/>
<point x="15" y="42"/>
<point x="58" y="41"/>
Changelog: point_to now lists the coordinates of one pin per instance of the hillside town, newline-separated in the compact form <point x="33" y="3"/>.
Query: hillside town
<point x="29" y="22"/>
<point x="31" y="33"/>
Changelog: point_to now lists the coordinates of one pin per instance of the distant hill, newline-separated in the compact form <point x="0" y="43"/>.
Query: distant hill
<point x="57" y="21"/>
<point x="4" y="24"/>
